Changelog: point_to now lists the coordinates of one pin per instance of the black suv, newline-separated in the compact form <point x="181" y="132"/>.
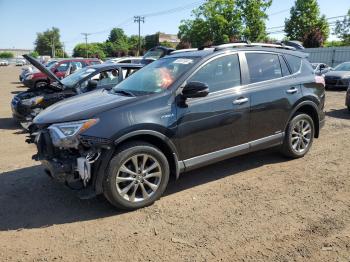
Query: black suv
<point x="178" y="113"/>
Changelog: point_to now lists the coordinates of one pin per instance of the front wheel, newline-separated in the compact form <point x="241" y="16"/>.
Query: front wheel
<point x="299" y="136"/>
<point x="40" y="84"/>
<point x="137" y="176"/>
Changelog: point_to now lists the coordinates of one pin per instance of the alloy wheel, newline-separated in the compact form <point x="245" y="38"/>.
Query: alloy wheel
<point x="301" y="136"/>
<point x="138" y="178"/>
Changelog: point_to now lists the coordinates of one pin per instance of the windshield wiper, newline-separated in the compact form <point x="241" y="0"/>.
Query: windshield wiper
<point x="124" y="92"/>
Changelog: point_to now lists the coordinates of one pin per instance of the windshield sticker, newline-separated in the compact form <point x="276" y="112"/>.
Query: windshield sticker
<point x="183" y="61"/>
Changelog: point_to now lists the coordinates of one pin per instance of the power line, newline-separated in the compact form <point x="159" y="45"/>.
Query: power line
<point x="282" y="26"/>
<point x="173" y="10"/>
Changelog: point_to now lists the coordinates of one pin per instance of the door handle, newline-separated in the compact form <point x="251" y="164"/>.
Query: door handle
<point x="240" y="101"/>
<point x="292" y="90"/>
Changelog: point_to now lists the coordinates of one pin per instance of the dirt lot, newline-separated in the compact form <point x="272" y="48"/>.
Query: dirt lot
<point x="259" y="207"/>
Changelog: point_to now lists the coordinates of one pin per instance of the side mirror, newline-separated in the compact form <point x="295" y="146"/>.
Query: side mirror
<point x="92" y="84"/>
<point x="195" y="89"/>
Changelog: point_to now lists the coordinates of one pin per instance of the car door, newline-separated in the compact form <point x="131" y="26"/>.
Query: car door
<point x="274" y="92"/>
<point x="218" y="121"/>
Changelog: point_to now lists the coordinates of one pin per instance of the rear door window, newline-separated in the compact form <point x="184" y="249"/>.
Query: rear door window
<point x="263" y="67"/>
<point x="294" y="63"/>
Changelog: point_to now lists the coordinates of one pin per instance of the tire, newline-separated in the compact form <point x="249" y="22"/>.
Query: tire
<point x="134" y="190"/>
<point x="295" y="144"/>
<point x="40" y="84"/>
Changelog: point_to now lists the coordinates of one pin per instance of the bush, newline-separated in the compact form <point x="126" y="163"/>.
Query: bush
<point x="6" y="55"/>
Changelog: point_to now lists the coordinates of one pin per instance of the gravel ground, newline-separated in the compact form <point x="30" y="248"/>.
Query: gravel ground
<point x="258" y="207"/>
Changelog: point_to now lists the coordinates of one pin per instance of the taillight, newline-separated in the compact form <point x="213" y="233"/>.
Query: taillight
<point x="320" y="80"/>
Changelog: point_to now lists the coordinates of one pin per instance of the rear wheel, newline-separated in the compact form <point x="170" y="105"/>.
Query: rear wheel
<point x="299" y="136"/>
<point x="137" y="176"/>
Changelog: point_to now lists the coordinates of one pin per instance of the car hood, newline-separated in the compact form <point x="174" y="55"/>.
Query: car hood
<point x="81" y="107"/>
<point x="42" y="68"/>
<point x="338" y="74"/>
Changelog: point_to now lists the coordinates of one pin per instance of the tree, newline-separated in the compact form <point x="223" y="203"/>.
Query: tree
<point x="117" y="43"/>
<point x="223" y="21"/>
<point x="6" y="55"/>
<point x="305" y="22"/>
<point x="215" y="21"/>
<point x="34" y="54"/>
<point x="314" y="38"/>
<point x="253" y="13"/>
<point x="94" y="50"/>
<point x="342" y="29"/>
<point x="133" y="41"/>
<point x="46" y="40"/>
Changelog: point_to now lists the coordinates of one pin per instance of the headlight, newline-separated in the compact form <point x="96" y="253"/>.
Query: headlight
<point x="29" y="76"/>
<point x="33" y="101"/>
<point x="65" y="134"/>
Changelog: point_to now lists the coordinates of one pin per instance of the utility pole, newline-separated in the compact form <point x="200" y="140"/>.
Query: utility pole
<point x="52" y="46"/>
<point x="64" y="49"/>
<point x="86" y="40"/>
<point x="139" y="19"/>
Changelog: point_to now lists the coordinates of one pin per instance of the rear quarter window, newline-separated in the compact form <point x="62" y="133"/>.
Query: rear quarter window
<point x="294" y="63"/>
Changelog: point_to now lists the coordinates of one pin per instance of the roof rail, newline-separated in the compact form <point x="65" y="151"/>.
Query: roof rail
<point x="248" y="44"/>
<point x="184" y="50"/>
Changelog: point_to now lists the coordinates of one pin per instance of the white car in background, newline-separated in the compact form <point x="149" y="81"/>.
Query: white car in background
<point x="4" y="62"/>
<point x="125" y="60"/>
<point x="21" y="62"/>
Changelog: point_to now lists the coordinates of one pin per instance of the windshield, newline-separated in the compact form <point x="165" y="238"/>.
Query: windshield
<point x="156" y="77"/>
<point x="50" y="64"/>
<point x="342" y="67"/>
<point x="74" y="78"/>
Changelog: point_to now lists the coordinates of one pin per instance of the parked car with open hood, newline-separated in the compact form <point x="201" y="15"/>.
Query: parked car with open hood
<point x="339" y="77"/>
<point x="26" y="105"/>
<point x="60" y="68"/>
<point x="178" y="113"/>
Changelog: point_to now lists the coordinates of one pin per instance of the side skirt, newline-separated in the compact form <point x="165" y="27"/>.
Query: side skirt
<point x="213" y="157"/>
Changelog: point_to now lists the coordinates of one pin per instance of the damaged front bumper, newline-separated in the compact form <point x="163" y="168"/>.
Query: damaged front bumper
<point x="75" y="167"/>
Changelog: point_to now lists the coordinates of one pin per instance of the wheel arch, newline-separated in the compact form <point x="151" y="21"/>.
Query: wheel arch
<point x="311" y="109"/>
<point x="152" y="137"/>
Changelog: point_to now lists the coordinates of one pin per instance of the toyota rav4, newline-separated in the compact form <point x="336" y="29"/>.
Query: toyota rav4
<point x="181" y="112"/>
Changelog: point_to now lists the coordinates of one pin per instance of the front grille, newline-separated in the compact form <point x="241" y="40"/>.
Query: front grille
<point x="92" y="141"/>
<point x="44" y="144"/>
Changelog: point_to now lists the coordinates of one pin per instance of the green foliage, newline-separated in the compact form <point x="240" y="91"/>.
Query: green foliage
<point x="117" y="43"/>
<point x="6" y="55"/>
<point x="342" y="29"/>
<point x="223" y="21"/>
<point x="45" y="40"/>
<point x="94" y="50"/>
<point x="167" y="44"/>
<point x="306" y="23"/>
<point x="254" y="16"/>
<point x="34" y="54"/>
<point x="335" y="43"/>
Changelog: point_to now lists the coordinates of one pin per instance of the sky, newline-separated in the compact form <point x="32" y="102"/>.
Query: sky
<point x="21" y="20"/>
